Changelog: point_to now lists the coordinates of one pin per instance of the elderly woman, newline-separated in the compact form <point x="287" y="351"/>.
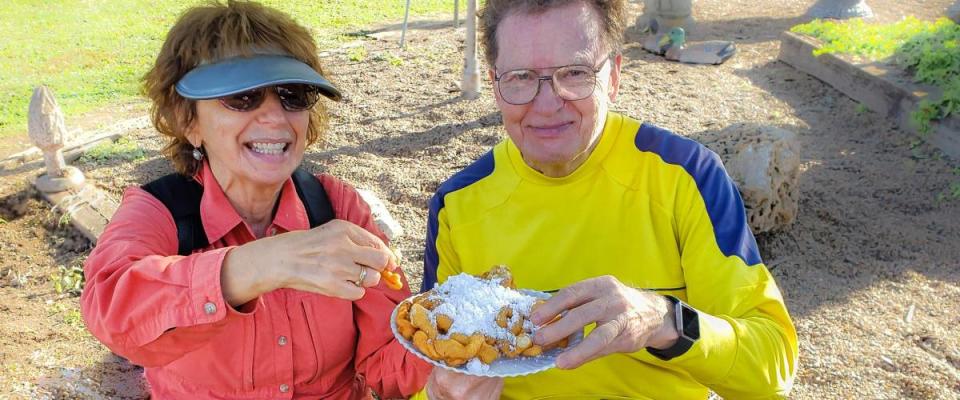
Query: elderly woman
<point x="237" y="297"/>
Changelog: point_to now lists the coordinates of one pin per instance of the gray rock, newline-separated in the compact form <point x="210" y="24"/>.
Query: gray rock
<point x="381" y="216"/>
<point x="764" y="161"/>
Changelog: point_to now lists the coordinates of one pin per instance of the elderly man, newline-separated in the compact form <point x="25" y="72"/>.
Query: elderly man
<point x="638" y="230"/>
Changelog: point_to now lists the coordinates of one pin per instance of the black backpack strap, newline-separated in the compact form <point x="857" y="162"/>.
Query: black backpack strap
<point x="181" y="195"/>
<point x="313" y="197"/>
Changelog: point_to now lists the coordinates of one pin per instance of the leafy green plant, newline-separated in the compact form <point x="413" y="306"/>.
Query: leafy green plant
<point x="394" y="60"/>
<point x="70" y="315"/>
<point x="357" y="54"/>
<point x="68" y="279"/>
<point x="64" y="219"/>
<point x="859" y="38"/>
<point x="930" y="50"/>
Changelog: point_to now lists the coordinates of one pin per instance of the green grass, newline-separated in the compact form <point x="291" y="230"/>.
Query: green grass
<point x="92" y="53"/>
<point x="124" y="149"/>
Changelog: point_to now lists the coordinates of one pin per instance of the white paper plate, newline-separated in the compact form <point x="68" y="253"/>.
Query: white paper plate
<point x="503" y="367"/>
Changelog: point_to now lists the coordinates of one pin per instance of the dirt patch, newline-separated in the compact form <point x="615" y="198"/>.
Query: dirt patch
<point x="870" y="269"/>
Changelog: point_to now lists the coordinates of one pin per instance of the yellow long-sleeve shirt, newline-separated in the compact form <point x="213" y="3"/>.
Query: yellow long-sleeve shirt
<point x="653" y="209"/>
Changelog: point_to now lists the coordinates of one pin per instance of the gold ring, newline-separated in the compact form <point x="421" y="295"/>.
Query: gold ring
<point x="363" y="274"/>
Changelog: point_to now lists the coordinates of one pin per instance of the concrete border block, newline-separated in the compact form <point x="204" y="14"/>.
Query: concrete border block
<point x="88" y="209"/>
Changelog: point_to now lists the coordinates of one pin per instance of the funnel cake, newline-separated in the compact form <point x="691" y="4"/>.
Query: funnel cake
<point x="470" y="322"/>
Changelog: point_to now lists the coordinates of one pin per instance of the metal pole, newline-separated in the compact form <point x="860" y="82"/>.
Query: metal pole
<point x="403" y="33"/>
<point x="456" y="14"/>
<point x="470" y="86"/>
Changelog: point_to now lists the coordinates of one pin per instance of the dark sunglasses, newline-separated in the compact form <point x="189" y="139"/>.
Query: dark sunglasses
<point x="293" y="97"/>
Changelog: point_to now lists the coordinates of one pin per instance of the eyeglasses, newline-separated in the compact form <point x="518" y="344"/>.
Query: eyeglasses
<point x="293" y="97"/>
<point x="571" y="82"/>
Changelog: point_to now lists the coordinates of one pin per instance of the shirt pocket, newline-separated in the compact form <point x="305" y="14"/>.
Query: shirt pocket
<point x="333" y="334"/>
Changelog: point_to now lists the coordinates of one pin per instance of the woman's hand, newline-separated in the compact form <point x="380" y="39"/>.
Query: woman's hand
<point x="627" y="320"/>
<point x="443" y="384"/>
<point x="328" y="260"/>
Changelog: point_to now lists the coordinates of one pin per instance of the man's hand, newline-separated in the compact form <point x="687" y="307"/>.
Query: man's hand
<point x="444" y="385"/>
<point x="627" y="320"/>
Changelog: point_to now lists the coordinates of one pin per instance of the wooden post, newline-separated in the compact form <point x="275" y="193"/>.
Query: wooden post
<point x="470" y="85"/>
<point x="48" y="132"/>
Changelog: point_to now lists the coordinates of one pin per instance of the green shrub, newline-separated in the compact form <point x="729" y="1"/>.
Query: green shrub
<point x="929" y="50"/>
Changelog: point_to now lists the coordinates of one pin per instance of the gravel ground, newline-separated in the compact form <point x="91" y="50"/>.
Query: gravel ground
<point x="870" y="269"/>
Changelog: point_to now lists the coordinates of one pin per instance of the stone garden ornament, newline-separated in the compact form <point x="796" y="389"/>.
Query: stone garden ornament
<point x="840" y="9"/>
<point x="48" y="132"/>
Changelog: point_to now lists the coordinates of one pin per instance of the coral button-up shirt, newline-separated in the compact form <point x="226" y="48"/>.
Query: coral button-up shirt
<point x="167" y="313"/>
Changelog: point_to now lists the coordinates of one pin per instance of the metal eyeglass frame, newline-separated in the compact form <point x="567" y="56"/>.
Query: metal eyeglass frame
<point x="541" y="78"/>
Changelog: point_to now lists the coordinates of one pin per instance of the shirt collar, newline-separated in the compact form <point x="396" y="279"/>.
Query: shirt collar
<point x="219" y="217"/>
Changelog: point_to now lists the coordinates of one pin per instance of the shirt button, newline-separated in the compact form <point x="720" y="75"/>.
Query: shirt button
<point x="272" y="231"/>
<point x="282" y="341"/>
<point x="284" y="388"/>
<point x="210" y="308"/>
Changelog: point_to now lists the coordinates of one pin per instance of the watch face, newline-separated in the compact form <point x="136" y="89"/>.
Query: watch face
<point x="688" y="322"/>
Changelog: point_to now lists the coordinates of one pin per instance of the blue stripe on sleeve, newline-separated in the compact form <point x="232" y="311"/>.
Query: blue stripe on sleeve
<point x="480" y="169"/>
<point x="720" y="194"/>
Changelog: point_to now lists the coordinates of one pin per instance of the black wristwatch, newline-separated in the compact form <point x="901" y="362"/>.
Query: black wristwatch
<point x="688" y="328"/>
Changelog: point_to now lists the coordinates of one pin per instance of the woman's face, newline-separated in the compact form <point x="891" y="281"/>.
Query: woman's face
<point x="259" y="148"/>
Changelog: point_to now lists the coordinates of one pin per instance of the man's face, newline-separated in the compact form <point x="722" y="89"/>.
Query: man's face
<point x="555" y="135"/>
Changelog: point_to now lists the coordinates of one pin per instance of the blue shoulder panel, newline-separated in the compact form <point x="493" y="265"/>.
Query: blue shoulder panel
<point x="719" y="192"/>
<point x="480" y="169"/>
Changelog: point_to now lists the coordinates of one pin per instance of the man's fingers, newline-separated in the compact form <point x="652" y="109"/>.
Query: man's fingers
<point x="567" y="298"/>
<point x="444" y="385"/>
<point x="595" y="345"/>
<point x="572" y="322"/>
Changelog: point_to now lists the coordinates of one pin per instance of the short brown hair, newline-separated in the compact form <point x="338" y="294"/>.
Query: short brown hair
<point x="613" y="15"/>
<point x="210" y="33"/>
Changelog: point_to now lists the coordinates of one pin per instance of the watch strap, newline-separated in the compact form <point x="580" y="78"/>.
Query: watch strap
<point x="688" y="331"/>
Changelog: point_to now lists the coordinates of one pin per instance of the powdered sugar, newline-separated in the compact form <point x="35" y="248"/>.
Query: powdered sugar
<point x="474" y="303"/>
<point x="476" y="366"/>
